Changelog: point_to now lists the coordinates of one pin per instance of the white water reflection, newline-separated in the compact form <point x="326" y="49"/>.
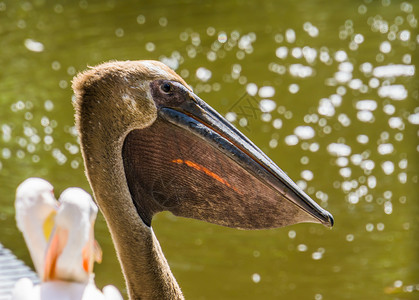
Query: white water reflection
<point x="385" y="149"/>
<point x="365" y="116"/>
<point x="307" y="175"/>
<point x="267" y="105"/>
<point x="310" y="54"/>
<point x="282" y="52"/>
<point x="290" y="36"/>
<point x="266" y="92"/>
<point x="385" y="47"/>
<point x="301" y="71"/>
<point x="252" y="89"/>
<point x="304" y="132"/>
<point x="312" y="30"/>
<point x="203" y="74"/>
<point x="388" y="167"/>
<point x="326" y="107"/>
<point x="394" y="71"/>
<point x="291" y="140"/>
<point x="414" y="118"/>
<point x="34" y="46"/>
<point x="394" y="92"/>
<point x="396" y="123"/>
<point x="338" y="149"/>
<point x="356" y="84"/>
<point x="343" y="77"/>
<point x="389" y="109"/>
<point x="369" y="105"/>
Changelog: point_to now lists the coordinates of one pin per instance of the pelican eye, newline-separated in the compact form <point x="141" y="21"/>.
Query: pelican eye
<point x="166" y="87"/>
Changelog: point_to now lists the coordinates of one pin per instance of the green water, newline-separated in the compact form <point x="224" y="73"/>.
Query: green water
<point x="359" y="160"/>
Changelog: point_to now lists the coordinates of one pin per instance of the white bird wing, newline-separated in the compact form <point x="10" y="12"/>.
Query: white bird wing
<point x="111" y="293"/>
<point x="35" y="207"/>
<point x="25" y="290"/>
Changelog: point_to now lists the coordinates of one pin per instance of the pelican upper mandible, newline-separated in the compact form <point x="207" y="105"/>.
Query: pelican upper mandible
<point x="150" y="144"/>
<point x="35" y="207"/>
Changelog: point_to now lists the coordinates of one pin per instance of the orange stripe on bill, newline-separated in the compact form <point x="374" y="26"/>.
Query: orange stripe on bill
<point x="206" y="171"/>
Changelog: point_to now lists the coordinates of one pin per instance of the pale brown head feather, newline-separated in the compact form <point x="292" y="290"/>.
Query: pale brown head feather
<point x="96" y="87"/>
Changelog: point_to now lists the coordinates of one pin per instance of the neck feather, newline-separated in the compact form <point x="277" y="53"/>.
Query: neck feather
<point x="145" y="268"/>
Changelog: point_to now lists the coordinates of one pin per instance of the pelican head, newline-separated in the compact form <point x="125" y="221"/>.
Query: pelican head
<point x="150" y="144"/>
<point x="72" y="248"/>
<point x="35" y="207"/>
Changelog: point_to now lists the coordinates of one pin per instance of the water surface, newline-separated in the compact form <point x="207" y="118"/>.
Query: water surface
<point x="328" y="89"/>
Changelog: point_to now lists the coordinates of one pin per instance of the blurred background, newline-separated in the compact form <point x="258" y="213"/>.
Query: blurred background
<point x="328" y="89"/>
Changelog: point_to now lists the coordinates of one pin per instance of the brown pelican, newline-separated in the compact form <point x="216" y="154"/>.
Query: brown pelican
<point x="150" y="144"/>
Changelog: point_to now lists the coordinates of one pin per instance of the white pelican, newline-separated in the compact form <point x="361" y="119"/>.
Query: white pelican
<point x="150" y="144"/>
<point x="70" y="254"/>
<point x="35" y="207"/>
<point x="72" y="248"/>
<point x="62" y="290"/>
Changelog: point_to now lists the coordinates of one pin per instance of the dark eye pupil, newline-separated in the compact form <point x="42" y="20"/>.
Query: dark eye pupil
<point x="165" y="87"/>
